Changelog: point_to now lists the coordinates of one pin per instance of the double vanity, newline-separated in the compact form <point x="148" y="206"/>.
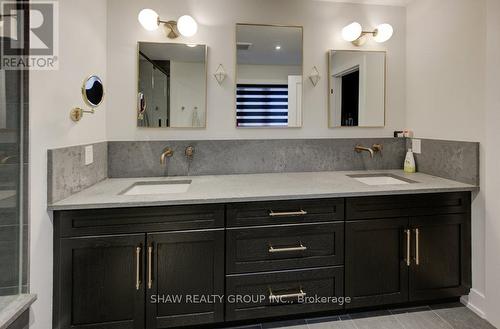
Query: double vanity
<point x="181" y="251"/>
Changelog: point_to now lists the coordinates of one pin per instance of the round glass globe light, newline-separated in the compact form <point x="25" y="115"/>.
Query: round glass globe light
<point x="384" y="33"/>
<point x="187" y="26"/>
<point x="148" y="19"/>
<point x="352" y="31"/>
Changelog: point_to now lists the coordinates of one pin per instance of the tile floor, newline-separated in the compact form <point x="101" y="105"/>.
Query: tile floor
<point x="445" y="316"/>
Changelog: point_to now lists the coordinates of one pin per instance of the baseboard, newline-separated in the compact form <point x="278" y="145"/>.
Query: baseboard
<point x="475" y="302"/>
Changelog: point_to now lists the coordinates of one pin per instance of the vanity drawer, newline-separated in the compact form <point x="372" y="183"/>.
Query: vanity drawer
<point x="284" y="212"/>
<point x="440" y="203"/>
<point x="284" y="247"/>
<point x="377" y="207"/>
<point x="135" y="220"/>
<point x="289" y="285"/>
<point x="407" y="205"/>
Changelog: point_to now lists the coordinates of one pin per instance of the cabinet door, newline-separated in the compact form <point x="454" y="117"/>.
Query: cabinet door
<point x="101" y="282"/>
<point x="187" y="276"/>
<point x="441" y="257"/>
<point x="375" y="269"/>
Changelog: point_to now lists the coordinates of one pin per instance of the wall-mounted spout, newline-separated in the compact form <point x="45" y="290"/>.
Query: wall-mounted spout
<point x="167" y="153"/>
<point x="374" y="149"/>
<point x="360" y="148"/>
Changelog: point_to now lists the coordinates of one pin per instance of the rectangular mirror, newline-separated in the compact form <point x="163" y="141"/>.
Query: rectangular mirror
<point x="268" y="76"/>
<point x="357" y="88"/>
<point x="172" y="85"/>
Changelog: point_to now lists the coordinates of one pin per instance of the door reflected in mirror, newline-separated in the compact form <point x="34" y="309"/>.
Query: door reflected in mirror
<point x="268" y="76"/>
<point x="172" y="85"/>
<point x="357" y="88"/>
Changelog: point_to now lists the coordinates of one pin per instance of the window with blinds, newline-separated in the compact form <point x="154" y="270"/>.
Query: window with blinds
<point x="261" y="105"/>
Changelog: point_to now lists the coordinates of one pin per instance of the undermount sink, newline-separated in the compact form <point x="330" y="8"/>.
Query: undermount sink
<point x="381" y="179"/>
<point x="157" y="187"/>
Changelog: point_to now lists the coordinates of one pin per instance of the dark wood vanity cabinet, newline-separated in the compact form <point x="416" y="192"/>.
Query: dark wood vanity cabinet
<point x="281" y="253"/>
<point x="375" y="271"/>
<point x="184" y="264"/>
<point x="132" y="279"/>
<point x="416" y="251"/>
<point x="441" y="267"/>
<point x="98" y="282"/>
<point x="135" y="267"/>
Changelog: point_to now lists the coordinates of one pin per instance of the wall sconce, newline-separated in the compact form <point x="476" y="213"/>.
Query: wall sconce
<point x="354" y="33"/>
<point x="314" y="76"/>
<point x="185" y="25"/>
<point x="220" y="74"/>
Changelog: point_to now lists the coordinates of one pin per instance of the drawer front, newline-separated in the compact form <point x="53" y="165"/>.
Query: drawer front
<point x="284" y="247"/>
<point x="440" y="203"/>
<point x="283" y="293"/>
<point x="407" y="205"/>
<point x="285" y="212"/>
<point x="377" y="207"/>
<point x="133" y="220"/>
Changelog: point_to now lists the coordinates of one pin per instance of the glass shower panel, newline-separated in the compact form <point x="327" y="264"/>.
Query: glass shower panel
<point x="13" y="182"/>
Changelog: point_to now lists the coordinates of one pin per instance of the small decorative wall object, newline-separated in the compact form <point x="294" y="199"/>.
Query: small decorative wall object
<point x="314" y="76"/>
<point x="220" y="74"/>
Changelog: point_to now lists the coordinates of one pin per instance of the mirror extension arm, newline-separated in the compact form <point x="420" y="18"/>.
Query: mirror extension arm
<point x="76" y="114"/>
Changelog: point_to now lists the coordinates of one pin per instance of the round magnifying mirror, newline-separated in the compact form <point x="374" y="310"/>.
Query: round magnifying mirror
<point x="93" y="91"/>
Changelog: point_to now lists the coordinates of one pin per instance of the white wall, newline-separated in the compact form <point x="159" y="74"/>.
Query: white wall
<point x="491" y="178"/>
<point x="446" y="52"/>
<point x="445" y="68"/>
<point x="52" y="95"/>
<point x="322" y="22"/>
<point x="273" y="74"/>
<point x="187" y="94"/>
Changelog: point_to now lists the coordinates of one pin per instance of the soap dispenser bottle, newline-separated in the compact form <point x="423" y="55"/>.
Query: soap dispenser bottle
<point x="409" y="165"/>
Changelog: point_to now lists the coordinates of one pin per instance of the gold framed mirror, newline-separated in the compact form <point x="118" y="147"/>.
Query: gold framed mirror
<point x="172" y="85"/>
<point x="357" y="88"/>
<point x="269" y="76"/>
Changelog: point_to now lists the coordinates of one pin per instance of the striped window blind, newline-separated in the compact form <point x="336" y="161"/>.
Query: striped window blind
<point x="261" y="105"/>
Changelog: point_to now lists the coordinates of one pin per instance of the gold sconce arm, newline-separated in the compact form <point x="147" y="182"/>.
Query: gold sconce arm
<point x="76" y="114"/>
<point x="170" y="28"/>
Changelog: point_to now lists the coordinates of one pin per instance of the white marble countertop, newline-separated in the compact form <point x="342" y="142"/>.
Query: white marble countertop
<point x="253" y="187"/>
<point x="11" y="307"/>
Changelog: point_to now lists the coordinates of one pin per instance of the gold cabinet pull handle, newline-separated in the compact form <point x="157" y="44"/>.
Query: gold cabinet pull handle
<point x="137" y="268"/>
<point x="273" y="250"/>
<point x="273" y="297"/>
<point x="408" y="248"/>
<point x="417" y="246"/>
<point x="150" y="267"/>
<point x="287" y="213"/>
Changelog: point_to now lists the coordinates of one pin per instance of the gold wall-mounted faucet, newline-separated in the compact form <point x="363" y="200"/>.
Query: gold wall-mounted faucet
<point x="167" y="153"/>
<point x="372" y="150"/>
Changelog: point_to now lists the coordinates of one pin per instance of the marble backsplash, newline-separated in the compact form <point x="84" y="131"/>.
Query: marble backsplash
<point x="142" y="159"/>
<point x="454" y="160"/>
<point x="67" y="173"/>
